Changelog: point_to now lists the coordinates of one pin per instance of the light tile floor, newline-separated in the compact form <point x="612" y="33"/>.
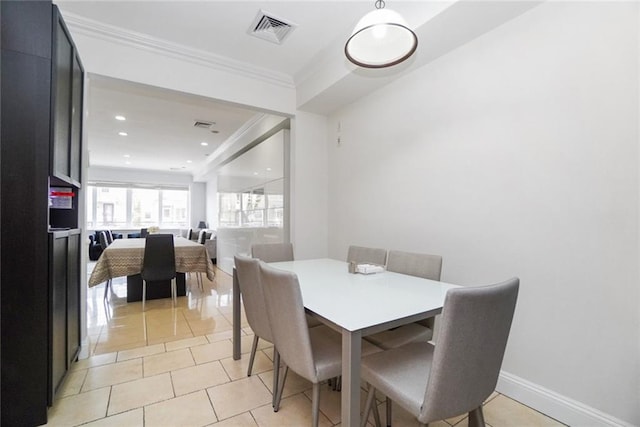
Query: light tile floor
<point x="173" y="367"/>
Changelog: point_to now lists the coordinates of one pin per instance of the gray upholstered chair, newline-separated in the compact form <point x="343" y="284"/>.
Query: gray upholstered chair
<point x="461" y="371"/>
<point x="278" y="252"/>
<point x="272" y="252"/>
<point x="248" y="272"/>
<point x="361" y="254"/>
<point x="413" y="264"/>
<point x="313" y="353"/>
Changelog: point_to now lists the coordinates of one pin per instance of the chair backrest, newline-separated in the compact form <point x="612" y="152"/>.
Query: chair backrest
<point x="202" y="236"/>
<point x="272" y="252"/>
<point x="109" y="236"/>
<point x="361" y="254"/>
<point x="102" y="239"/>
<point x="248" y="271"/>
<point x="468" y="355"/>
<point x="288" y="321"/>
<point x="188" y="233"/>
<point x="419" y="265"/>
<point x="159" y="261"/>
<point x="144" y="232"/>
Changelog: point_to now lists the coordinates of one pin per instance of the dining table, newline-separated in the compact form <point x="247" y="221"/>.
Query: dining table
<point x="355" y="305"/>
<point x="124" y="257"/>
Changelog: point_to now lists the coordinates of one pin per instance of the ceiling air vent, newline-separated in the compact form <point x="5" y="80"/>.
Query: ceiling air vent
<point x="268" y="27"/>
<point x="204" y="124"/>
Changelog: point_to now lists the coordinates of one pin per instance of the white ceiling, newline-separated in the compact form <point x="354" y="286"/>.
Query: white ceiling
<point x="220" y="27"/>
<point x="159" y="125"/>
<point x="159" y="122"/>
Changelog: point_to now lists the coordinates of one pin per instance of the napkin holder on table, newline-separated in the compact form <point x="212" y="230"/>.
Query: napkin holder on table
<point x="369" y="268"/>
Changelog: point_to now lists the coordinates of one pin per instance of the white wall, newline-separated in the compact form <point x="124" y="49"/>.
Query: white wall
<point x="516" y="155"/>
<point x="309" y="185"/>
<point x="211" y="197"/>
<point x="198" y="208"/>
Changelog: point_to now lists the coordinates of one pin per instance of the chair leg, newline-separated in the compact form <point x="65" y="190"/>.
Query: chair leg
<point x="367" y="407"/>
<point x="315" y="402"/>
<point x="174" y="292"/>
<point x="106" y="288"/>
<point x="144" y="292"/>
<point x="389" y="408"/>
<point x="276" y="375"/>
<point x="276" y="407"/>
<point x="254" y="348"/>
<point x="376" y="414"/>
<point x="476" y="418"/>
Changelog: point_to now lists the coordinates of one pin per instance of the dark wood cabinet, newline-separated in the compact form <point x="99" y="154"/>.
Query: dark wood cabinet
<point x="73" y="295"/>
<point x="66" y="106"/>
<point x="40" y="275"/>
<point x="77" y="90"/>
<point x="64" y="288"/>
<point x="57" y="310"/>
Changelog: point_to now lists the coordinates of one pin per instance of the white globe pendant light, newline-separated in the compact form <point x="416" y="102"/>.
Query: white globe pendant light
<point x="380" y="39"/>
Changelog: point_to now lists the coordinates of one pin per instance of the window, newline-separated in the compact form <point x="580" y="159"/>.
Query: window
<point x="257" y="207"/>
<point x="112" y="206"/>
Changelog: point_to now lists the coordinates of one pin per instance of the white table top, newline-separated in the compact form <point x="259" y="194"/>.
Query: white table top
<point x="357" y="301"/>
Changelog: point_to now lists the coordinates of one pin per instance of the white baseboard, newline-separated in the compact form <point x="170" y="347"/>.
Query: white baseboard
<point x="559" y="407"/>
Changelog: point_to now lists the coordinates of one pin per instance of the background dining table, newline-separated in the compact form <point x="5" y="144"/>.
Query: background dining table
<point x="124" y="257"/>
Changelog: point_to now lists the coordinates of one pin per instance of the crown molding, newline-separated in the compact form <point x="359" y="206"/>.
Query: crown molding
<point x="99" y="30"/>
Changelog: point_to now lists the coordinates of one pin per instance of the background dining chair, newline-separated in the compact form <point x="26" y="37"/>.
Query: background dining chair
<point x="413" y="264"/>
<point x="361" y="254"/>
<point x="102" y="237"/>
<point x="313" y="353"/>
<point x="159" y="263"/>
<point x="272" y="252"/>
<point x="278" y="252"/>
<point x="144" y="232"/>
<point x="248" y="271"/>
<point x="460" y="372"/>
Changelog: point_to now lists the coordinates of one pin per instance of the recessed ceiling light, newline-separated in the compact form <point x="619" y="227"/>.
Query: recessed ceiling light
<point x="255" y="173"/>
<point x="121" y="118"/>
<point x="127" y="163"/>
<point x="126" y="156"/>
<point x="204" y="144"/>
<point x="269" y="169"/>
<point x="123" y="133"/>
<point x="189" y="161"/>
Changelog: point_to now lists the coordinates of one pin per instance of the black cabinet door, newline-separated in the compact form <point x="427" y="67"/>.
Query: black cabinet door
<point x="62" y="73"/>
<point x="58" y="311"/>
<point x="76" y="120"/>
<point x="73" y="296"/>
<point x="24" y="156"/>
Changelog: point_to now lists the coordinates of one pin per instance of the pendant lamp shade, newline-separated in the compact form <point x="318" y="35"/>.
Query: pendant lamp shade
<point x="380" y="39"/>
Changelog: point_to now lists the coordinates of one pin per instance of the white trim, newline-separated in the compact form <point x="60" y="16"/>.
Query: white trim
<point x="99" y="30"/>
<point x="554" y="405"/>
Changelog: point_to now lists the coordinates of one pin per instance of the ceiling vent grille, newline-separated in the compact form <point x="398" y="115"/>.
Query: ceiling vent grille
<point x="268" y="27"/>
<point x="204" y="124"/>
